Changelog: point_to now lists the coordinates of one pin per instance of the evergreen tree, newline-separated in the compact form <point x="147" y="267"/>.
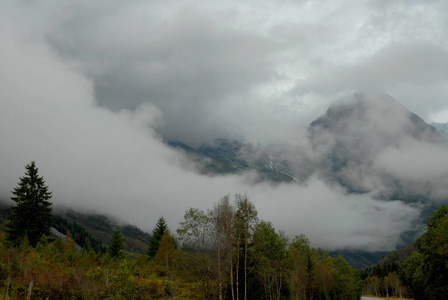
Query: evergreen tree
<point x="31" y="216"/>
<point x="115" y="249"/>
<point x="157" y="234"/>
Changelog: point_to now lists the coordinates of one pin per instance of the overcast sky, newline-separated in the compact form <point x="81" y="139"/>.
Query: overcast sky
<point x="89" y="90"/>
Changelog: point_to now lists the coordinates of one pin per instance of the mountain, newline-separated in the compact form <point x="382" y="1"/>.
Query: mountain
<point x="399" y="256"/>
<point x="360" y="259"/>
<point x="347" y="142"/>
<point x="355" y="135"/>
<point x="223" y="156"/>
<point x="442" y="128"/>
<point x="349" y="138"/>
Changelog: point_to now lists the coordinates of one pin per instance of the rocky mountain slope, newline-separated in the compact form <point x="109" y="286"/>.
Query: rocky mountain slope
<point x="350" y="138"/>
<point x="231" y="157"/>
<point x="442" y="128"/>
<point x="349" y="144"/>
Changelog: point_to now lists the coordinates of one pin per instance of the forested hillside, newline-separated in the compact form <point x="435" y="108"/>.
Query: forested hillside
<point x="419" y="270"/>
<point x="92" y="230"/>
<point x="101" y="228"/>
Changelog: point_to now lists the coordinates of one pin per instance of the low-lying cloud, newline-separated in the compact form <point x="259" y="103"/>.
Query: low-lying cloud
<point x="372" y="143"/>
<point x="91" y="93"/>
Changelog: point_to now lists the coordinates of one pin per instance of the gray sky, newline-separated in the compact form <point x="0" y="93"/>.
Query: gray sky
<point x="89" y="90"/>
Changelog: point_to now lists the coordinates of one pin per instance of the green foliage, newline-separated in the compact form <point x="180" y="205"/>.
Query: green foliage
<point x="362" y="259"/>
<point x="201" y="269"/>
<point x="166" y="250"/>
<point x="345" y="282"/>
<point x="157" y="234"/>
<point x="31" y="216"/>
<point x="434" y="248"/>
<point x="269" y="253"/>
<point x="424" y="274"/>
<point x="134" y="232"/>
<point x="275" y="268"/>
<point x="115" y="248"/>
<point x="81" y="236"/>
<point x="411" y="274"/>
<point x="315" y="274"/>
<point x="194" y="231"/>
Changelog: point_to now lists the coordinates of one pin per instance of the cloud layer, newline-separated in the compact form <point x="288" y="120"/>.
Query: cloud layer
<point x="90" y="91"/>
<point x="372" y="143"/>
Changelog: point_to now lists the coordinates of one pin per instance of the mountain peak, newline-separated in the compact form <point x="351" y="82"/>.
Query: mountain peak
<point x="377" y="117"/>
<point x="442" y="128"/>
<point x="348" y="138"/>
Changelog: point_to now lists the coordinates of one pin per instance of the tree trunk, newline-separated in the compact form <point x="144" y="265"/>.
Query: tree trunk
<point x="30" y="289"/>
<point x="245" y="269"/>
<point x="7" y="288"/>
<point x="231" y="275"/>
<point x="237" y="268"/>
<point x="219" y="268"/>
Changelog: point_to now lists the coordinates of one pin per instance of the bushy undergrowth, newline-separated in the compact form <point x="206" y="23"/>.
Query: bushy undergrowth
<point x="57" y="270"/>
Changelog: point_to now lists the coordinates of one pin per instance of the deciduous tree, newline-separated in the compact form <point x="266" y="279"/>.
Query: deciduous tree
<point x="195" y="231"/>
<point x="165" y="252"/>
<point x="269" y="252"/>
<point x="222" y="217"/>
<point x="434" y="247"/>
<point x="245" y="221"/>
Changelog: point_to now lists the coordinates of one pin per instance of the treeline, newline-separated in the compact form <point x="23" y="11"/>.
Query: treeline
<point x="424" y="274"/>
<point x="242" y="257"/>
<point x="224" y="253"/>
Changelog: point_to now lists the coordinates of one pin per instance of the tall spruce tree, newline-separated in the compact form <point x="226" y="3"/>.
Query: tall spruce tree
<point x="115" y="249"/>
<point x="157" y="234"/>
<point x="31" y="216"/>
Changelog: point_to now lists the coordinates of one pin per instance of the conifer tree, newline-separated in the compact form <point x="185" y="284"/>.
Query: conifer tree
<point x="115" y="249"/>
<point x="31" y="216"/>
<point x="157" y="234"/>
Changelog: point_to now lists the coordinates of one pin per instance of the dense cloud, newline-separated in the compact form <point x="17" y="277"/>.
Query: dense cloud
<point x="373" y="143"/>
<point x="234" y="70"/>
<point x="422" y="168"/>
<point x="90" y="92"/>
